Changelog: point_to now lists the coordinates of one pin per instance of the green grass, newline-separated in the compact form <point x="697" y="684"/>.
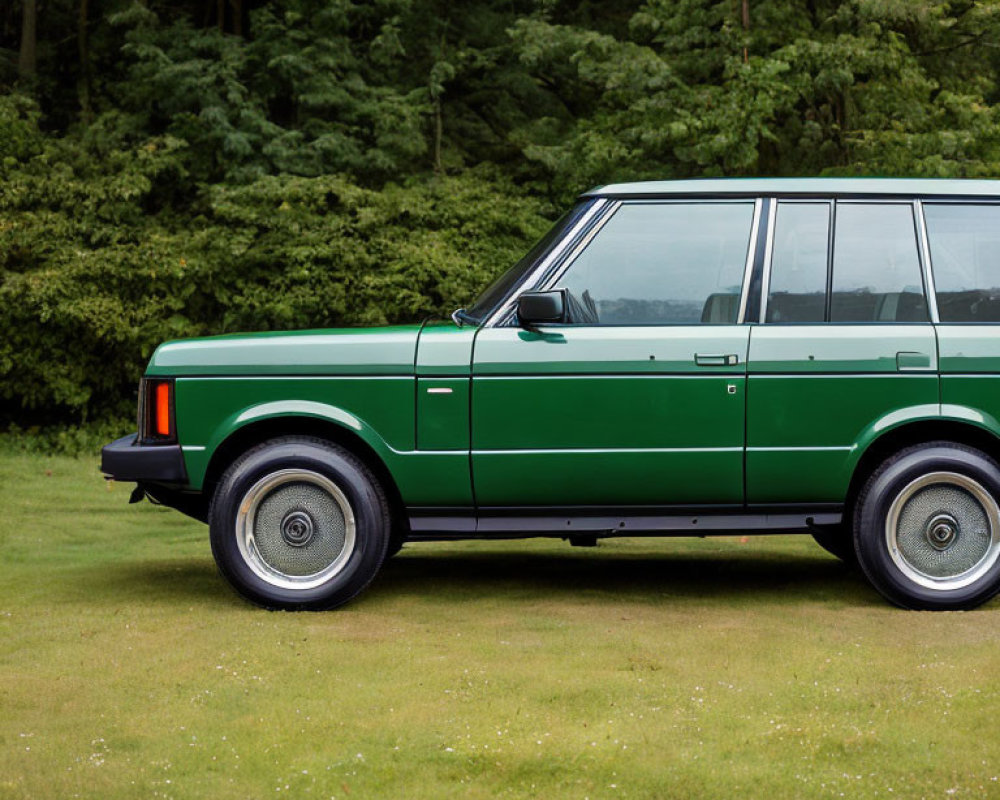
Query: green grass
<point x="642" y="668"/>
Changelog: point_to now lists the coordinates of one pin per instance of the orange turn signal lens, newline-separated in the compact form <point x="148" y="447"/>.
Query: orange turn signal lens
<point x="162" y="422"/>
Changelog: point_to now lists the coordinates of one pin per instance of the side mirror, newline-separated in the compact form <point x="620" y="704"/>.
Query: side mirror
<point x="537" y="308"/>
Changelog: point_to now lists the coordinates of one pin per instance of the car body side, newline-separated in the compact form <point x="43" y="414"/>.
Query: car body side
<point x="467" y="422"/>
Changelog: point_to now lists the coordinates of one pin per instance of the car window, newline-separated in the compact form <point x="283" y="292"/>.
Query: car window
<point x="876" y="269"/>
<point x="662" y="264"/>
<point x="797" y="290"/>
<point x="965" y="259"/>
<point x="496" y="292"/>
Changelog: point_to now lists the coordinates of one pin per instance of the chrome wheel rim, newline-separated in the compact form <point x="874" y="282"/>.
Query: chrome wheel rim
<point x="295" y="529"/>
<point x="943" y="531"/>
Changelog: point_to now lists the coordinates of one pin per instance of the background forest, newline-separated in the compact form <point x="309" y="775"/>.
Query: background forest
<point x="183" y="167"/>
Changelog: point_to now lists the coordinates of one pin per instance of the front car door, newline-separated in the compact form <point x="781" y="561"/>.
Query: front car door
<point x="638" y="400"/>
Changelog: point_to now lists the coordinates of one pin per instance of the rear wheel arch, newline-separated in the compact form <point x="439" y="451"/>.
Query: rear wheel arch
<point x="908" y="435"/>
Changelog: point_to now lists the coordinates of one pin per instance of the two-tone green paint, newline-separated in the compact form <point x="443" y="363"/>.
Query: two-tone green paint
<point x="597" y="415"/>
<point x="819" y="395"/>
<point x="361" y="381"/>
<point x="592" y="416"/>
<point x="624" y="416"/>
<point x="364" y="351"/>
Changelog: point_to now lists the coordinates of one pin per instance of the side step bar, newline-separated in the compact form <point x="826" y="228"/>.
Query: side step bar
<point x="438" y="526"/>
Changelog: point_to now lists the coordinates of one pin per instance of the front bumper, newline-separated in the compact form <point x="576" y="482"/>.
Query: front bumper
<point x="127" y="460"/>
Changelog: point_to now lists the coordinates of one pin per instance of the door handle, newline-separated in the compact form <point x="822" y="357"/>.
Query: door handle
<point x="716" y="359"/>
<point x="907" y="361"/>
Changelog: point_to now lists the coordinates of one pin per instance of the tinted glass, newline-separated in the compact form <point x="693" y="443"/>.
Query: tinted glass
<point x="663" y="264"/>
<point x="965" y="256"/>
<point x="798" y="265"/>
<point x="876" y="271"/>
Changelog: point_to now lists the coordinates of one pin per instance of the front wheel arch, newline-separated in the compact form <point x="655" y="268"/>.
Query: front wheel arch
<point x="253" y="434"/>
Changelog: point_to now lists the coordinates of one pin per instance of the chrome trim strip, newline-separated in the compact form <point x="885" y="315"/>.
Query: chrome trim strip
<point x="833" y="449"/>
<point x="828" y="375"/>
<point x="748" y="269"/>
<point x="501" y="313"/>
<point x="765" y="281"/>
<point x="599" y="376"/>
<point x="299" y="376"/>
<point x="439" y="390"/>
<point x="925" y="257"/>
<point x="194" y="448"/>
<point x="582" y="244"/>
<point x="599" y="450"/>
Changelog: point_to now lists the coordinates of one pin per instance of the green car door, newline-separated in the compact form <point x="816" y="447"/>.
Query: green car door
<point x="846" y="350"/>
<point x="638" y="398"/>
<point x="964" y="244"/>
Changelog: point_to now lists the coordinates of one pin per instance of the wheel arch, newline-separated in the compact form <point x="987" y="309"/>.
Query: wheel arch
<point x="959" y="428"/>
<point x="253" y="433"/>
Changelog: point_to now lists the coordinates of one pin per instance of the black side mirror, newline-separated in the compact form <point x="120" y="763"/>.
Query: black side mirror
<point x="537" y="308"/>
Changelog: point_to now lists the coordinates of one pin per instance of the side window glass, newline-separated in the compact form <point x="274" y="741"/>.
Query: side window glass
<point x="797" y="290"/>
<point x="876" y="270"/>
<point x="662" y="264"/>
<point x="965" y="257"/>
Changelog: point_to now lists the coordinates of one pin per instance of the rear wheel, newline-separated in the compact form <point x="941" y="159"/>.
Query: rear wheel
<point x="299" y="523"/>
<point x="927" y="529"/>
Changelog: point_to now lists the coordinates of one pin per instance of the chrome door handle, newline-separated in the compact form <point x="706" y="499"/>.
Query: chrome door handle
<point x="716" y="359"/>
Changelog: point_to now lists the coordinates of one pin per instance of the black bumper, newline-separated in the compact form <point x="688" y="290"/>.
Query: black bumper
<point x="125" y="460"/>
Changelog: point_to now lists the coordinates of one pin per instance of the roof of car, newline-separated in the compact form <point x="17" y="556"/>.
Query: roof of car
<point x="822" y="187"/>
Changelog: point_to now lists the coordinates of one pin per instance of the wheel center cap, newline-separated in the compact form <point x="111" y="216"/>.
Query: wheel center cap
<point x="942" y="530"/>
<point x="297" y="528"/>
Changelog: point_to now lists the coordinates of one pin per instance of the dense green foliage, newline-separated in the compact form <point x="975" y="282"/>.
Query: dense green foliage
<point x="179" y="167"/>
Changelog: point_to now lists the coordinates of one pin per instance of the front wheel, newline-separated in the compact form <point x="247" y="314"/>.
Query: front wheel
<point x="927" y="527"/>
<point x="299" y="523"/>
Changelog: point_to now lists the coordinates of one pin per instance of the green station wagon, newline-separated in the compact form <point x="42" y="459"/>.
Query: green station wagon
<point x="672" y="358"/>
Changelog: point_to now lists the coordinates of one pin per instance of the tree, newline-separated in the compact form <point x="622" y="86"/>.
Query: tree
<point x="27" y="61"/>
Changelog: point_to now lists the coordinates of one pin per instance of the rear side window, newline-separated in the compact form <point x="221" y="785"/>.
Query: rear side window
<point x="663" y="264"/>
<point x="876" y="270"/>
<point x="875" y="274"/>
<point x="798" y="264"/>
<point x="965" y="259"/>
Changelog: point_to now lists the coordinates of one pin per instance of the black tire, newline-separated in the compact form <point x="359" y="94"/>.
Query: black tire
<point x="299" y="523"/>
<point x="396" y="542"/>
<point x="837" y="540"/>
<point x="927" y="527"/>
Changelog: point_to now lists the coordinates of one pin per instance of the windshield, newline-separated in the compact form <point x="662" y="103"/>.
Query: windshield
<point x="501" y="288"/>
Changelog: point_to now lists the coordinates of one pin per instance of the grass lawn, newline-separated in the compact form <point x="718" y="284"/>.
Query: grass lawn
<point x="641" y="668"/>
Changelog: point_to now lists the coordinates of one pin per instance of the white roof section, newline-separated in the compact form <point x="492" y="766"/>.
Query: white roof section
<point x="813" y="187"/>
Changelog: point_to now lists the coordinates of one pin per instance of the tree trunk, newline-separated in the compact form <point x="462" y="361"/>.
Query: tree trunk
<point x="221" y="6"/>
<point x="83" y="86"/>
<point x="237" y="6"/>
<point x="27" y="61"/>
<point x="746" y="27"/>
<point x="438" y="130"/>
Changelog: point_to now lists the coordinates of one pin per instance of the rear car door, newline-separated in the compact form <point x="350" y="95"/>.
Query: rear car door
<point x="845" y="345"/>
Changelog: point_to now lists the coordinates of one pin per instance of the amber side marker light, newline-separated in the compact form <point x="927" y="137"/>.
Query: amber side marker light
<point x="157" y="411"/>
<point x="163" y="409"/>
